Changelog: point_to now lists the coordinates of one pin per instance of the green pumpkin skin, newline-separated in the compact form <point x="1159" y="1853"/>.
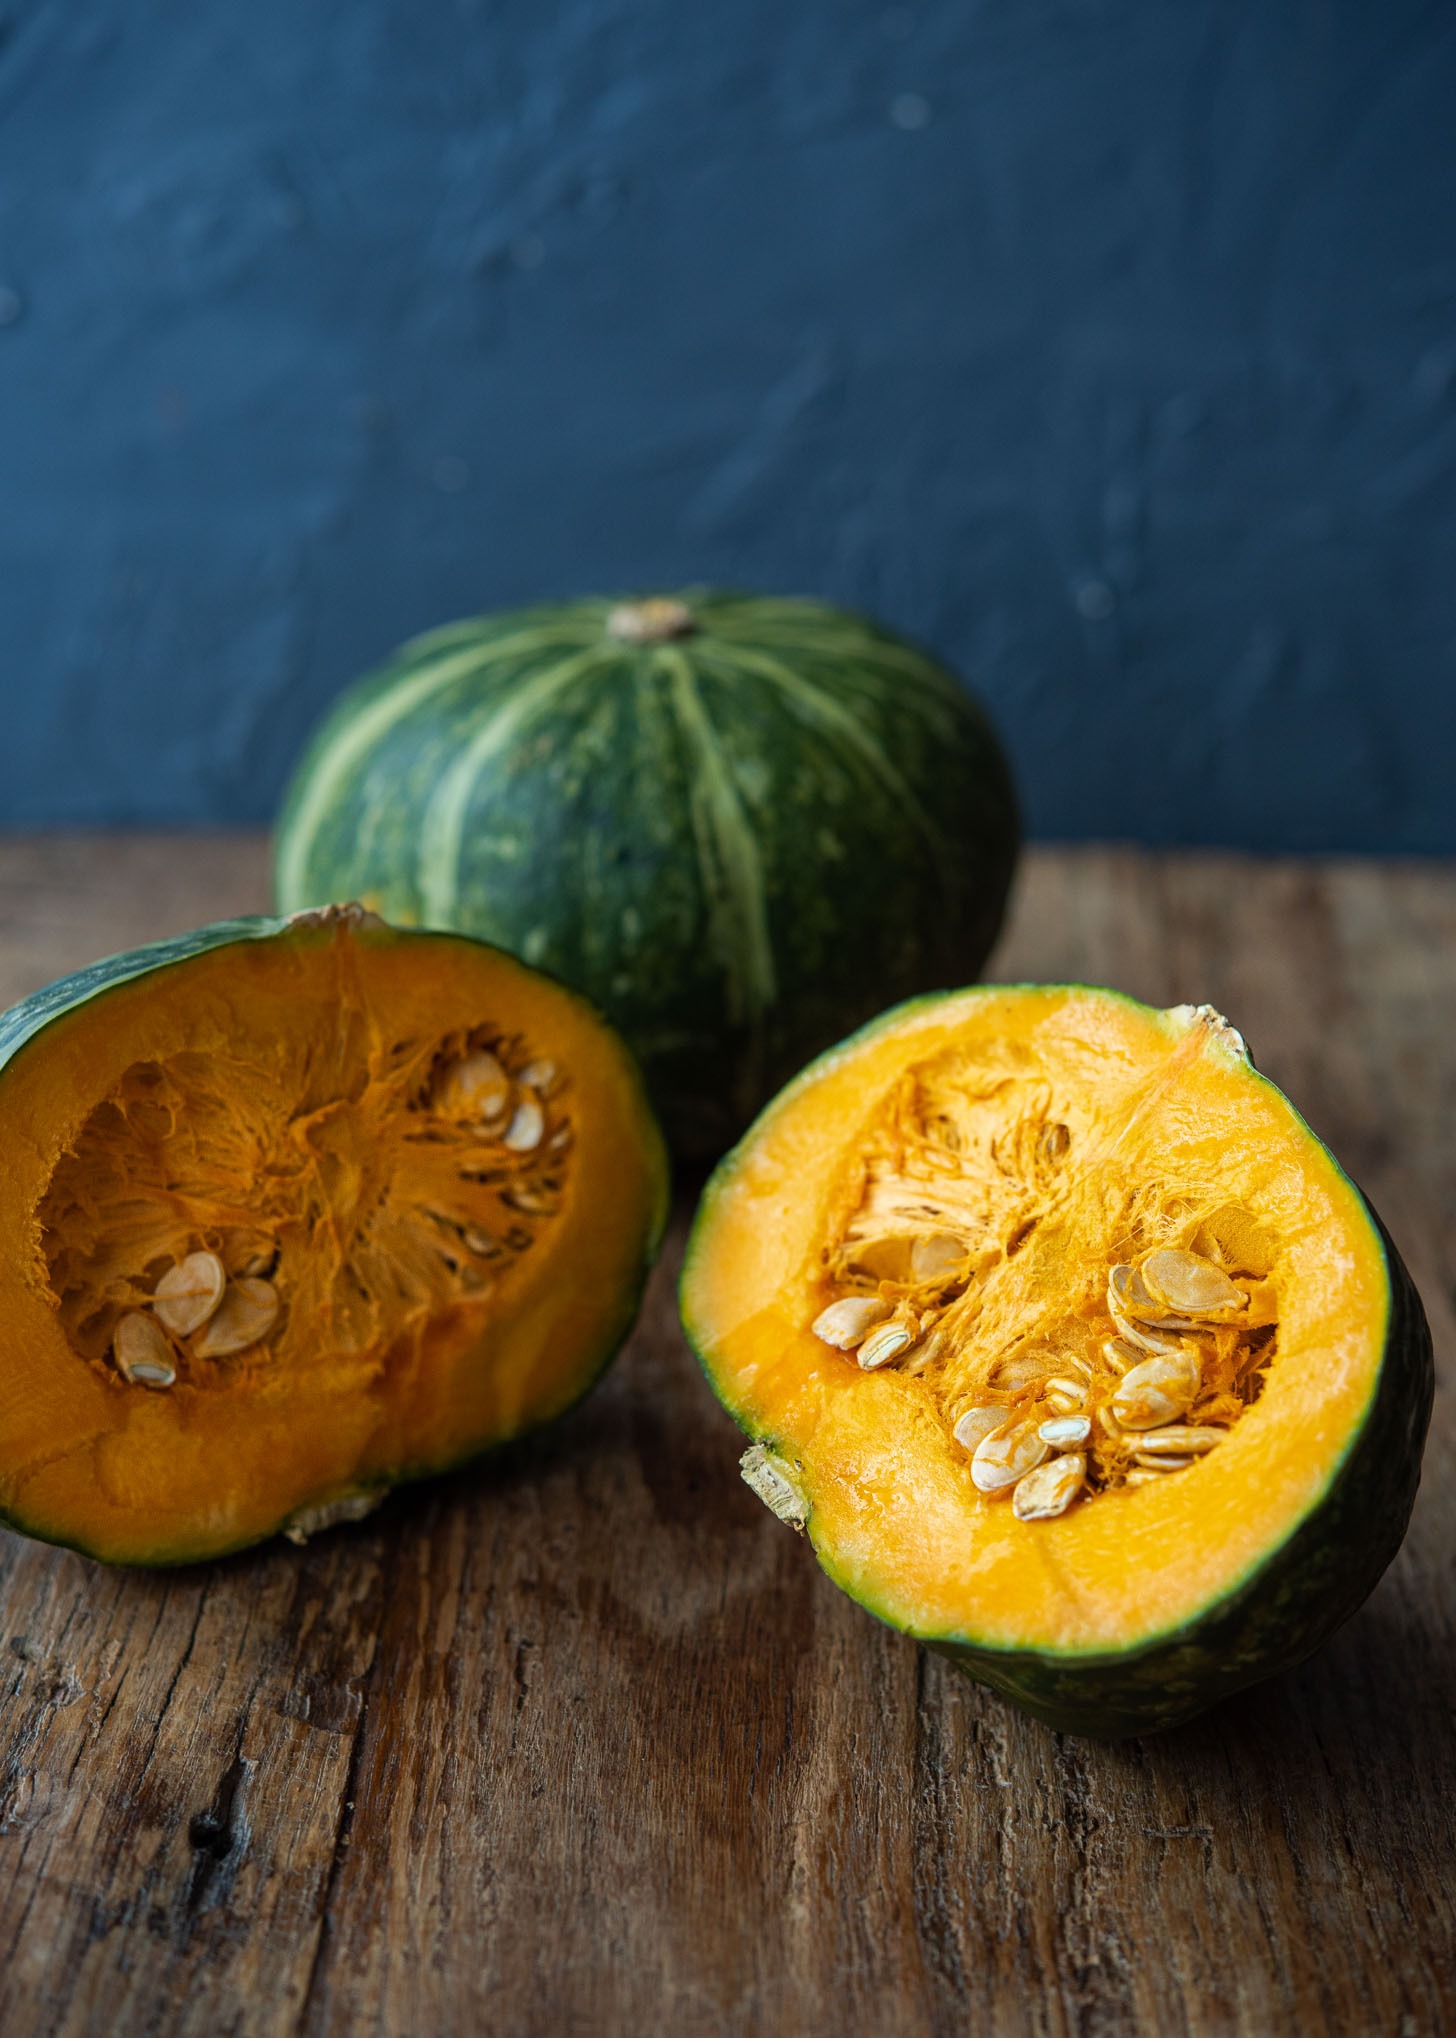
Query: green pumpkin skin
<point x="740" y="837"/>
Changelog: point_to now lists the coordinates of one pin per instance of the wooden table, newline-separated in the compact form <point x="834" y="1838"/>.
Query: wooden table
<point x="583" y="1742"/>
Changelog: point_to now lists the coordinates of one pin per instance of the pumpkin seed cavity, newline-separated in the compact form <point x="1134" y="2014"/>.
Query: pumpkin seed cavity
<point x="1081" y="1334"/>
<point x="209" y="1217"/>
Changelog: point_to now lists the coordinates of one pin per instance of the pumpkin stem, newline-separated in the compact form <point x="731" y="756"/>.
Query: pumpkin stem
<point x="652" y="621"/>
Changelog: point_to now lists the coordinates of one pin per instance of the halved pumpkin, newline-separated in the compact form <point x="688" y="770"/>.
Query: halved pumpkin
<point x="296" y="1210"/>
<point x="1070" y="1346"/>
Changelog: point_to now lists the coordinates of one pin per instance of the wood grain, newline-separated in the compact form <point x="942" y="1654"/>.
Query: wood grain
<point x="582" y="1741"/>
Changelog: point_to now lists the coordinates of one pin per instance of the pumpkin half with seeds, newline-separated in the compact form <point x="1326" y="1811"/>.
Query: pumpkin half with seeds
<point x="295" y="1211"/>
<point x="740" y="826"/>
<point x="1070" y="1347"/>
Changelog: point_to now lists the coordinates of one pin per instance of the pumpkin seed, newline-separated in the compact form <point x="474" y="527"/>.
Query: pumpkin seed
<point x="535" y="1202"/>
<point x="848" y="1322"/>
<point x="1027" y="1369"/>
<point x="1130" y="1299"/>
<point x="248" y="1311"/>
<point x="1189" y="1283"/>
<point x="1175" y="1439"/>
<point x="1120" y="1354"/>
<point x="934" y="1257"/>
<point x="1143" y="1337"/>
<point x="1060" y="1390"/>
<point x="1065" y="1430"/>
<point x="146" y="1373"/>
<point x="188" y="1294"/>
<point x="1055" y="1139"/>
<point x="1006" y="1456"/>
<point x="1157" y="1392"/>
<point x="1126" y="1396"/>
<point x="474" y="1087"/>
<point x="977" y="1423"/>
<point x="142" y="1352"/>
<point x="539" y="1076"/>
<point x="1132" y="1295"/>
<point x="1049" y="1489"/>
<point x="881" y="1346"/>
<point x="1127" y="1297"/>
<point x="528" y="1122"/>
<point x="1142" y="1477"/>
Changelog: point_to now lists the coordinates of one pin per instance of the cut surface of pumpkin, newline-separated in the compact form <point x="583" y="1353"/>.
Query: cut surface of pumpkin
<point x="1079" y="1355"/>
<point x="294" y="1214"/>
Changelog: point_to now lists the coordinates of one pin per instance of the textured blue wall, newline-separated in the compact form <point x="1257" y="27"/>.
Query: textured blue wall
<point x="1111" y="348"/>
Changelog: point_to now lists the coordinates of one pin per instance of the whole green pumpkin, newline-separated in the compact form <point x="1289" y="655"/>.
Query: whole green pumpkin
<point x="740" y="825"/>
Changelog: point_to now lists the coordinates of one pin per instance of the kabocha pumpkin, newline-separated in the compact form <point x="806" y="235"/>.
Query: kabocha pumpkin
<point x="297" y="1210"/>
<point x="741" y="826"/>
<point x="1069" y="1345"/>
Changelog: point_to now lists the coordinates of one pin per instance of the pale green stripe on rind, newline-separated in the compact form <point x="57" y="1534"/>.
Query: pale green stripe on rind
<point x="833" y="634"/>
<point x="733" y="886"/>
<point x="837" y="721"/>
<point x="330" y="774"/>
<point x="836" y="646"/>
<point x="442" y="826"/>
<point x="831" y="715"/>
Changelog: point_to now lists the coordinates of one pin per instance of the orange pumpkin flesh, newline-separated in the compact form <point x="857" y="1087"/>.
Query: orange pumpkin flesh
<point x="1167" y="1126"/>
<point x="289" y="1101"/>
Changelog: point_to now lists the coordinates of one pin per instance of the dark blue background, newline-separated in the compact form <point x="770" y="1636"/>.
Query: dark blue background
<point x="1109" y="348"/>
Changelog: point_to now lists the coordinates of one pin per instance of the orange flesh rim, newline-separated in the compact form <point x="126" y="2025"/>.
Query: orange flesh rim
<point x="226" y="1456"/>
<point x="893" y="1514"/>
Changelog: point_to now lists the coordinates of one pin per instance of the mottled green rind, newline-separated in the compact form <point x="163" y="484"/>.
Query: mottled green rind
<point x="1275" y="1616"/>
<point x="738" y="844"/>
<point x="29" y="1019"/>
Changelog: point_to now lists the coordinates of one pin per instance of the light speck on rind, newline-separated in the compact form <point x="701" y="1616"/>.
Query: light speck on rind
<point x="309" y="1521"/>
<point x="770" y="1479"/>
